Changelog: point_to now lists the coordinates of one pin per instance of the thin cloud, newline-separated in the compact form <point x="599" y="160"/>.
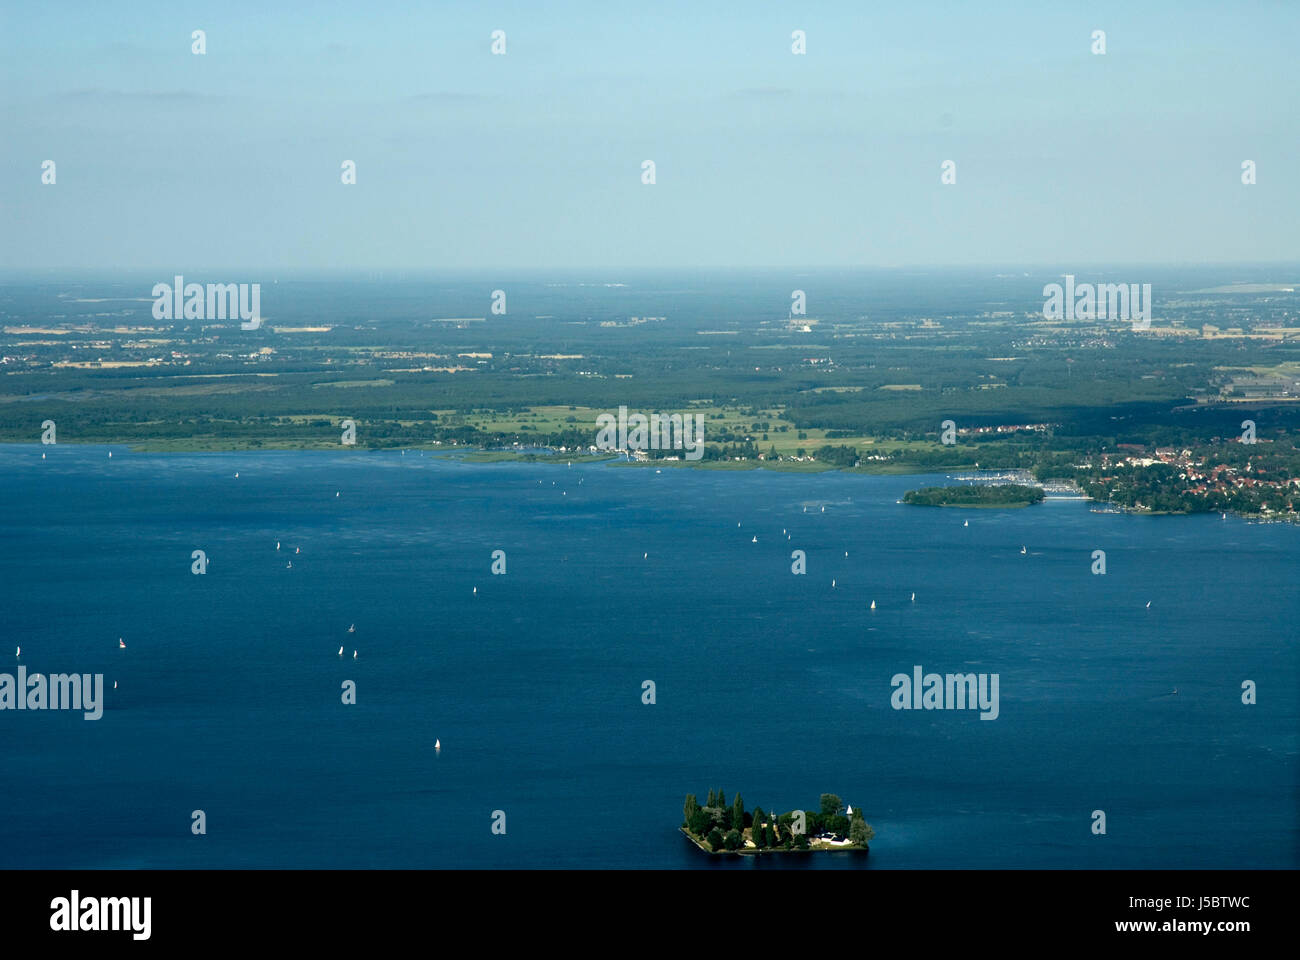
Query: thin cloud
<point x="764" y="92"/>
<point x="447" y="96"/>
<point x="146" y="96"/>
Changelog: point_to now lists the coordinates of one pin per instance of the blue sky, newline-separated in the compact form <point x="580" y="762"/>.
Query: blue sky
<point x="467" y="161"/>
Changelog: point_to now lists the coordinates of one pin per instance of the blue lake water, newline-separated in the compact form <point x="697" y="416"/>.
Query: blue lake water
<point x="229" y="690"/>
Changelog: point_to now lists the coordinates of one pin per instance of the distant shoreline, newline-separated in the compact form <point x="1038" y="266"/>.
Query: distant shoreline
<point x="471" y="454"/>
<point x="478" y="455"/>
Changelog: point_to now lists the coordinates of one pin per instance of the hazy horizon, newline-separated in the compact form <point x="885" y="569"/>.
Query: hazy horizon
<point x="470" y="161"/>
<point x="226" y="272"/>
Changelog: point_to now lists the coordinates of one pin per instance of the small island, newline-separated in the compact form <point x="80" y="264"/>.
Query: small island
<point x="720" y="828"/>
<point x="987" y="495"/>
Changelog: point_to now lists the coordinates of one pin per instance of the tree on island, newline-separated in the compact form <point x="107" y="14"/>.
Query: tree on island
<point x="783" y="833"/>
<point x="713" y="797"/>
<point x="719" y="827"/>
<point x="860" y="832"/>
<point x="1006" y="494"/>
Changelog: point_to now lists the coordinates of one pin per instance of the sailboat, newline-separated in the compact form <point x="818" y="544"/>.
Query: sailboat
<point x="354" y="654"/>
<point x="340" y="651"/>
<point x="110" y="454"/>
<point x="277" y="544"/>
<point x="42" y="456"/>
<point x="18" y="652"/>
<point x="352" y="629"/>
<point x="823" y="509"/>
<point x="755" y="540"/>
<point x="1022" y="551"/>
<point x="832" y="584"/>
<point x="873" y="604"/>
<point x="437" y="744"/>
<point x="121" y="644"/>
<point x="297" y="549"/>
<point x="1148" y="604"/>
<point x="476" y="590"/>
<point x="914" y="598"/>
<point x="965" y="523"/>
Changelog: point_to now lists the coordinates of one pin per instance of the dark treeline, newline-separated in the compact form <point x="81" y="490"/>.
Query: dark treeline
<point x="983" y="495"/>
<point x="723" y="826"/>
